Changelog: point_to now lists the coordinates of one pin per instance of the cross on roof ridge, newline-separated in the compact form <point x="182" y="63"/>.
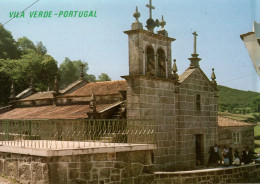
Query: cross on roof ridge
<point x="195" y="42"/>
<point x="82" y="75"/>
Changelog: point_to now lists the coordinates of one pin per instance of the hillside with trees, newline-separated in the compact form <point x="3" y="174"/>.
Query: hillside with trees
<point x="238" y="101"/>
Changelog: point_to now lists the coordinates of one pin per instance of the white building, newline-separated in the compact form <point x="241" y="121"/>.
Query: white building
<point x="252" y="43"/>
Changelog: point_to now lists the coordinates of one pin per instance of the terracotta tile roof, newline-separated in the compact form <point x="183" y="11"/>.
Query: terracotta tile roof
<point x="226" y="122"/>
<point x="51" y="112"/>
<point x="39" y="96"/>
<point x="100" y="88"/>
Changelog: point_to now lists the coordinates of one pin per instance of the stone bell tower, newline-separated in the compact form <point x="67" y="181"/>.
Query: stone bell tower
<point x="151" y="85"/>
<point x="149" y="53"/>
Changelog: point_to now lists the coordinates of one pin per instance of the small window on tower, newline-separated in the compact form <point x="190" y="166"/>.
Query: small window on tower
<point x="198" y="105"/>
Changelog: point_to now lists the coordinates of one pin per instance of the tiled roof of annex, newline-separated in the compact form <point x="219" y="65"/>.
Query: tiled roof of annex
<point x="51" y="112"/>
<point x="39" y="96"/>
<point x="227" y="122"/>
<point x="100" y="88"/>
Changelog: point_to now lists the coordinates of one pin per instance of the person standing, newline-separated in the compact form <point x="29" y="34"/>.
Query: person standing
<point x="225" y="156"/>
<point x="214" y="156"/>
<point x="230" y="156"/>
<point x="237" y="158"/>
<point x="245" y="158"/>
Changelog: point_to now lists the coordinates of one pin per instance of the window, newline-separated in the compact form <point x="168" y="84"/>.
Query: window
<point x="236" y="137"/>
<point x="198" y="105"/>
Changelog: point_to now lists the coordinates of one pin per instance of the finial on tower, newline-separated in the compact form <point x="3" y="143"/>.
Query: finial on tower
<point x="137" y="24"/>
<point x="162" y="22"/>
<point x="162" y="31"/>
<point x="194" y="59"/>
<point x="175" y="70"/>
<point x="151" y="24"/>
<point x="136" y="14"/>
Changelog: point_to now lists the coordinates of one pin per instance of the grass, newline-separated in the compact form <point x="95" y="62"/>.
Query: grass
<point x="257" y="131"/>
<point x="257" y="146"/>
<point x="257" y="138"/>
<point x="239" y="117"/>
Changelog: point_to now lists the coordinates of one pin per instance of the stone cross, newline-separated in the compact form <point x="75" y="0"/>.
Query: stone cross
<point x="195" y="44"/>
<point x="82" y="67"/>
<point x="150" y="7"/>
<point x="82" y="71"/>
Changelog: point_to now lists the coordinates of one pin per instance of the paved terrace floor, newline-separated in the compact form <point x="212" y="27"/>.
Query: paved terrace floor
<point x="49" y="148"/>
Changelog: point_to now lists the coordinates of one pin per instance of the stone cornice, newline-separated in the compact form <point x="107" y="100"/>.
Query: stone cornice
<point x="151" y="78"/>
<point x="144" y="32"/>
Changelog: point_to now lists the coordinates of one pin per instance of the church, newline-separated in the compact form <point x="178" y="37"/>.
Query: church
<point x="183" y="107"/>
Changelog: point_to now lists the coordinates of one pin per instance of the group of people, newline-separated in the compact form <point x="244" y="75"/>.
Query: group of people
<point x="227" y="157"/>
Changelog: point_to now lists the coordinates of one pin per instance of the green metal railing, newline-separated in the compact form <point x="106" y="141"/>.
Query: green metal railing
<point x="75" y="133"/>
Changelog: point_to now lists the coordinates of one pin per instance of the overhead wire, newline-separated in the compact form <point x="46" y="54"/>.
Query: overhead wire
<point x="21" y="12"/>
<point x="238" y="78"/>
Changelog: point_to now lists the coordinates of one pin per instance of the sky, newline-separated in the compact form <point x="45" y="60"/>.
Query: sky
<point x="101" y="43"/>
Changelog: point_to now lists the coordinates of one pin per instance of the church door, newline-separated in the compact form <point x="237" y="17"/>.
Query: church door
<point x="199" y="149"/>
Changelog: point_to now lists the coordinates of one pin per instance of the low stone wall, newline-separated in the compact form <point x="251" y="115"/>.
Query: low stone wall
<point x="241" y="174"/>
<point x="110" y="165"/>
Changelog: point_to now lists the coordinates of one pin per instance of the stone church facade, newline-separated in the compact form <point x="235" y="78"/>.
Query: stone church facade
<point x="182" y="107"/>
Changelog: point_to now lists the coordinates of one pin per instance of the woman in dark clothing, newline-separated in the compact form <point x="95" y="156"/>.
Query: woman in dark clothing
<point x="230" y="155"/>
<point x="214" y="155"/>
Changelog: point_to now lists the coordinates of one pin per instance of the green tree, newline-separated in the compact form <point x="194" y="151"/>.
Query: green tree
<point x="255" y="104"/>
<point x="255" y="119"/>
<point x="104" y="77"/>
<point x="91" y="77"/>
<point x="25" y="45"/>
<point x="40" y="48"/>
<point x="8" y="46"/>
<point x="70" y="71"/>
<point x="41" y="68"/>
